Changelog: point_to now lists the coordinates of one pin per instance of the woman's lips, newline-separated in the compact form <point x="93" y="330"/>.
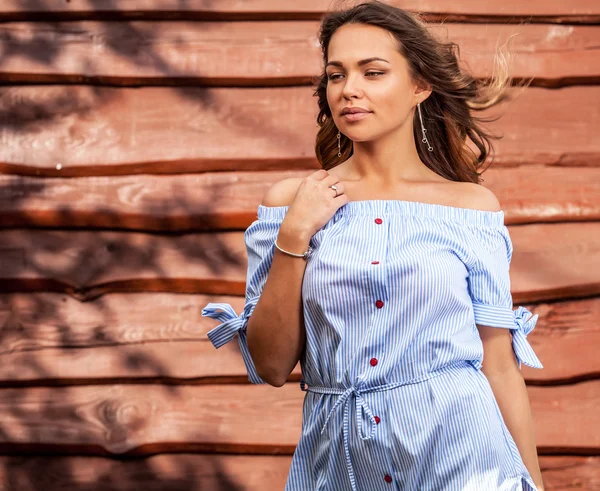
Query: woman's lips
<point x="355" y="116"/>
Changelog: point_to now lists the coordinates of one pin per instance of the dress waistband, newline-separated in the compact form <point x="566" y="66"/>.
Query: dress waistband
<point x="357" y="391"/>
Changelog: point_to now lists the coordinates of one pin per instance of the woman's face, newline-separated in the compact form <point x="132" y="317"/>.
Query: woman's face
<point x="383" y="86"/>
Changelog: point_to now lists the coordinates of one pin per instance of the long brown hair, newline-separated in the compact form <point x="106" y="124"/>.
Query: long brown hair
<point x="447" y="112"/>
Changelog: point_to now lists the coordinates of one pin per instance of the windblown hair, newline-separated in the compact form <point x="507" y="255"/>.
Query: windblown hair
<point x="447" y="113"/>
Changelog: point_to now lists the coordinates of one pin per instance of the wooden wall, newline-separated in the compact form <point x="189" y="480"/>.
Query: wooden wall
<point x="137" y="141"/>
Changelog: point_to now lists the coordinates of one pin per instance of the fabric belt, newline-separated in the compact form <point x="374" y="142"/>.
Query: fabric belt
<point x="360" y="403"/>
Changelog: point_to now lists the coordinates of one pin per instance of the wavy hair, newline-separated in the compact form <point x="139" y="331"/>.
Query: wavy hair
<point x="448" y="113"/>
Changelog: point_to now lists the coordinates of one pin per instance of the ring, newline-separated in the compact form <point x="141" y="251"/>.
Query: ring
<point x="334" y="187"/>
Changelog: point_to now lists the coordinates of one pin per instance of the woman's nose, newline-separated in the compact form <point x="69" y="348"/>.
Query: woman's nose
<point x="352" y="86"/>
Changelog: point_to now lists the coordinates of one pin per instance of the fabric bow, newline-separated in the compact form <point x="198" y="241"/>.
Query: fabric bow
<point x="525" y="322"/>
<point x="232" y="324"/>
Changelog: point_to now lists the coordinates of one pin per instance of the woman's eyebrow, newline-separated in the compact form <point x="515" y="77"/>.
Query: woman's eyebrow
<point x="360" y="63"/>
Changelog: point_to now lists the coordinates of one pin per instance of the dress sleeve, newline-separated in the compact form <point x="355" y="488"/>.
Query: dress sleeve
<point x="489" y="289"/>
<point x="259" y="238"/>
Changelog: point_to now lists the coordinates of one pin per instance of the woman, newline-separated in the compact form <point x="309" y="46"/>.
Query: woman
<point x="386" y="273"/>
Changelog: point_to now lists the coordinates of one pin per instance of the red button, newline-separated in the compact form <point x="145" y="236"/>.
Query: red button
<point x="379" y="304"/>
<point x="373" y="362"/>
<point x="374" y="262"/>
<point x="378" y="221"/>
<point x="377" y="420"/>
<point x="388" y="478"/>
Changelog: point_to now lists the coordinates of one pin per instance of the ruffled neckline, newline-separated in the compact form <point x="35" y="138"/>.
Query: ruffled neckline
<point x="388" y="207"/>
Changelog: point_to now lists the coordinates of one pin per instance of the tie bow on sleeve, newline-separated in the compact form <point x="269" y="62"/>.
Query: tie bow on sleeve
<point x="524" y="322"/>
<point x="231" y="322"/>
<point x="232" y="325"/>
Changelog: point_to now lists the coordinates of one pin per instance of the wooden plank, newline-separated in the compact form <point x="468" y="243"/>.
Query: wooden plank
<point x="229" y="200"/>
<point x="546" y="194"/>
<point x="182" y="472"/>
<point x="68" y="131"/>
<point x="143" y="419"/>
<point x="567" y="334"/>
<point x="565" y="412"/>
<point x="218" y="472"/>
<point x="471" y="10"/>
<point x="173" y="203"/>
<point x="261" y="53"/>
<point x="540" y="269"/>
<point x="567" y="473"/>
<point x="86" y="265"/>
<point x="551" y="261"/>
<point x="53" y="339"/>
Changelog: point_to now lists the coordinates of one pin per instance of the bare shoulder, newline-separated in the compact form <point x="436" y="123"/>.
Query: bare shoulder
<point x="478" y="197"/>
<point x="282" y="193"/>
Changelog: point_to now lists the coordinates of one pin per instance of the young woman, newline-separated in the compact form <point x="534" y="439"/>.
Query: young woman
<point x="386" y="273"/>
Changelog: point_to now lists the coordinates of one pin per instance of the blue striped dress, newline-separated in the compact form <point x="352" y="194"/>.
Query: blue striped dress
<point x="395" y="398"/>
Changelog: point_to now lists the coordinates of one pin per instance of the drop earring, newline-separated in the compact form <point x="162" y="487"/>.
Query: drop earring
<point x="424" y="139"/>
<point x="339" y="136"/>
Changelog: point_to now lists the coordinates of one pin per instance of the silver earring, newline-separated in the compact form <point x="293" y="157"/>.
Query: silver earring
<point x="424" y="140"/>
<point x="339" y="144"/>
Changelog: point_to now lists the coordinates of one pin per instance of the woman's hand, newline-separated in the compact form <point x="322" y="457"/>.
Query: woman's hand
<point x="315" y="202"/>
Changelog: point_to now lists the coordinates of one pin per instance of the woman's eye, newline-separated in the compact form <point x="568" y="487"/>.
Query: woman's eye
<point x="334" y="76"/>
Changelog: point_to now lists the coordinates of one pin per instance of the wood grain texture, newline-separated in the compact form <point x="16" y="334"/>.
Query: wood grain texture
<point x="187" y="472"/>
<point x="182" y="472"/>
<point x="547" y="259"/>
<point x="87" y="265"/>
<point x="470" y="10"/>
<point x="53" y="339"/>
<point x="229" y="200"/>
<point x="567" y="473"/>
<point x="144" y="419"/>
<point x="550" y="261"/>
<point x="261" y="53"/>
<point x="67" y="131"/>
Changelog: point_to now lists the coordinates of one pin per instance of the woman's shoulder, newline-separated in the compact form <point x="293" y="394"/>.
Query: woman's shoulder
<point x="282" y="193"/>
<point x="475" y="196"/>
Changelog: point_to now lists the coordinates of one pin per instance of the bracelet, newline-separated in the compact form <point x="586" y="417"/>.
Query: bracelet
<point x="304" y="256"/>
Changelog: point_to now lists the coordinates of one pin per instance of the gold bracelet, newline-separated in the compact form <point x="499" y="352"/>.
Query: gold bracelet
<point x="304" y="256"/>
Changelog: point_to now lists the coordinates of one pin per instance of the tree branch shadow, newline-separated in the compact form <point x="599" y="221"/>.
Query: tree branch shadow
<point x="83" y="258"/>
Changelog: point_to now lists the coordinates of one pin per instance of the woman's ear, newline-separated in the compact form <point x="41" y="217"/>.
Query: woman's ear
<point x="422" y="91"/>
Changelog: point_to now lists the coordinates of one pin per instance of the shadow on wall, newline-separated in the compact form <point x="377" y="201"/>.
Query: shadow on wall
<point x="161" y="473"/>
<point x="33" y="261"/>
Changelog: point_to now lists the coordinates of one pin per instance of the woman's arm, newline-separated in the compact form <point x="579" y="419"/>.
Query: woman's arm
<point x="504" y="375"/>
<point x="275" y="332"/>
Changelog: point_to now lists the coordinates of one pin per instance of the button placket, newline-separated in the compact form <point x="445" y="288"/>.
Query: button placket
<point x="378" y="274"/>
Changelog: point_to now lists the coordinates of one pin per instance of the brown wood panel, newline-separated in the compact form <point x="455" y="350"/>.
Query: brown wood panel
<point x="182" y="203"/>
<point x="547" y="259"/>
<point x="143" y="419"/>
<point x="472" y="10"/>
<point x="66" y="131"/>
<point x="88" y="264"/>
<point x="55" y="339"/>
<point x="229" y="200"/>
<point x="188" y="472"/>
<point x="182" y="472"/>
<point x="260" y="53"/>
<point x="567" y="473"/>
<point x="551" y="261"/>
<point x="565" y="339"/>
